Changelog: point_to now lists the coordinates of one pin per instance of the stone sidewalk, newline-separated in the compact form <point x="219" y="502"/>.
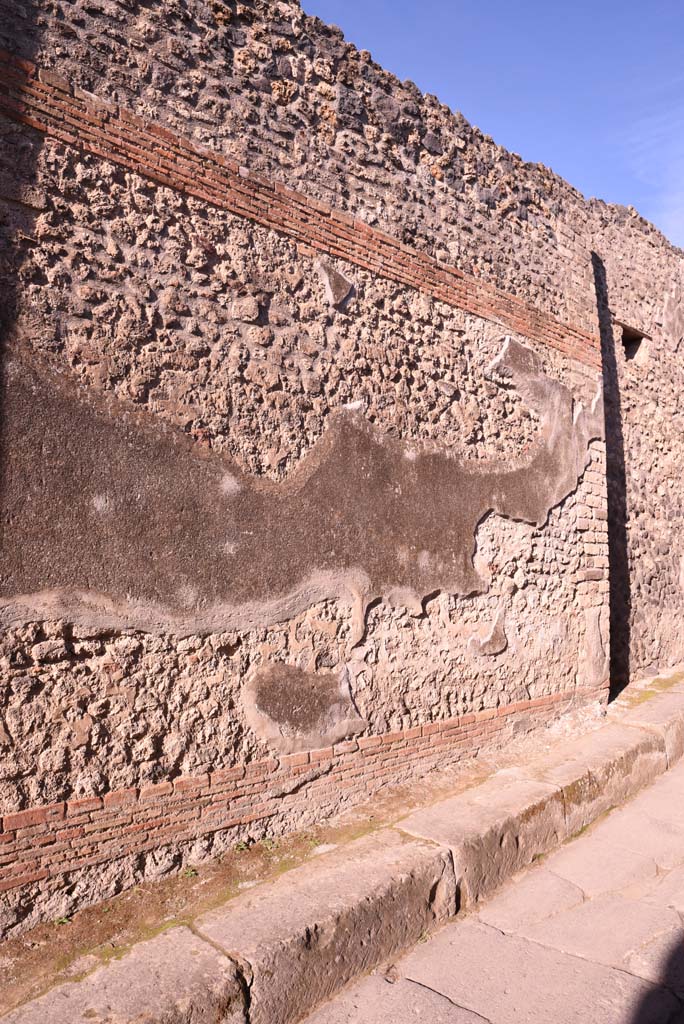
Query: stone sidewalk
<point x="592" y="934"/>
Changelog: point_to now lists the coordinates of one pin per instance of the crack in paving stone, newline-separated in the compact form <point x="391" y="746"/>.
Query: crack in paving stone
<point x="451" y="1002"/>
<point x="585" y="897"/>
<point x="549" y="917"/>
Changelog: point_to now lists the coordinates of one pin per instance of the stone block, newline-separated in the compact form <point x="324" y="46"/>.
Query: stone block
<point x="337" y="287"/>
<point x="306" y="935"/>
<point x="599" y="770"/>
<point x="493" y="830"/>
<point x="664" y="714"/>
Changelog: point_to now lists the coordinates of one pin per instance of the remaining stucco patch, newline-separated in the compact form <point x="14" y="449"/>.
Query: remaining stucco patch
<point x="291" y="710"/>
<point x="355" y="521"/>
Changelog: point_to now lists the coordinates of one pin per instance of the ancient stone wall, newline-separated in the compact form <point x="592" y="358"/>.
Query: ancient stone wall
<point x="303" y="458"/>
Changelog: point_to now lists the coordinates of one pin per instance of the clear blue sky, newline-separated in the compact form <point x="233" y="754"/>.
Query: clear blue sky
<point x="592" y="88"/>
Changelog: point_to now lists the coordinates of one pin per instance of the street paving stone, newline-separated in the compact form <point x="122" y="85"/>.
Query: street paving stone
<point x="593" y="934"/>
<point x="634" y="830"/>
<point x="597" y="867"/>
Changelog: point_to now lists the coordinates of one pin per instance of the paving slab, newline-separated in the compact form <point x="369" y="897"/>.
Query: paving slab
<point x="528" y="899"/>
<point x="175" y="978"/>
<point x="597" y="867"/>
<point x="607" y="930"/>
<point x="493" y="830"/>
<point x="665" y="890"/>
<point x="665" y="799"/>
<point x="375" y="1001"/>
<point x="507" y="980"/>
<point x="635" y="829"/>
<point x="661" y="960"/>
<point x="303" y="937"/>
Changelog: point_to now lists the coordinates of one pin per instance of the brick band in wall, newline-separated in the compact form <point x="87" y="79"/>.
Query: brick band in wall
<point x="47" y="102"/>
<point x="48" y="841"/>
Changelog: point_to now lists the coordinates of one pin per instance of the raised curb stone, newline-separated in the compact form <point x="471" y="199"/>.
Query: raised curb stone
<point x="304" y="936"/>
<point x="664" y="715"/>
<point x="600" y="770"/>
<point x="493" y="830"/>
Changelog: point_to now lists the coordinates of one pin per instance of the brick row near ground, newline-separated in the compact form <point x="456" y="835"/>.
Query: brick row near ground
<point x="62" y="838"/>
<point x="46" y="102"/>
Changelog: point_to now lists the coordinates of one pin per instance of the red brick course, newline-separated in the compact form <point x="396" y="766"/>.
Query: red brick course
<point x="46" y="102"/>
<point x="45" y="842"/>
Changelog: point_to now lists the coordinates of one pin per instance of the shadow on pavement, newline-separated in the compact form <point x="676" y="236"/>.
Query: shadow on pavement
<point x="656" y="1007"/>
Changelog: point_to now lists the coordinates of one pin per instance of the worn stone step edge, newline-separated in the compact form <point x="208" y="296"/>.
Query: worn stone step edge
<point x="271" y="955"/>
